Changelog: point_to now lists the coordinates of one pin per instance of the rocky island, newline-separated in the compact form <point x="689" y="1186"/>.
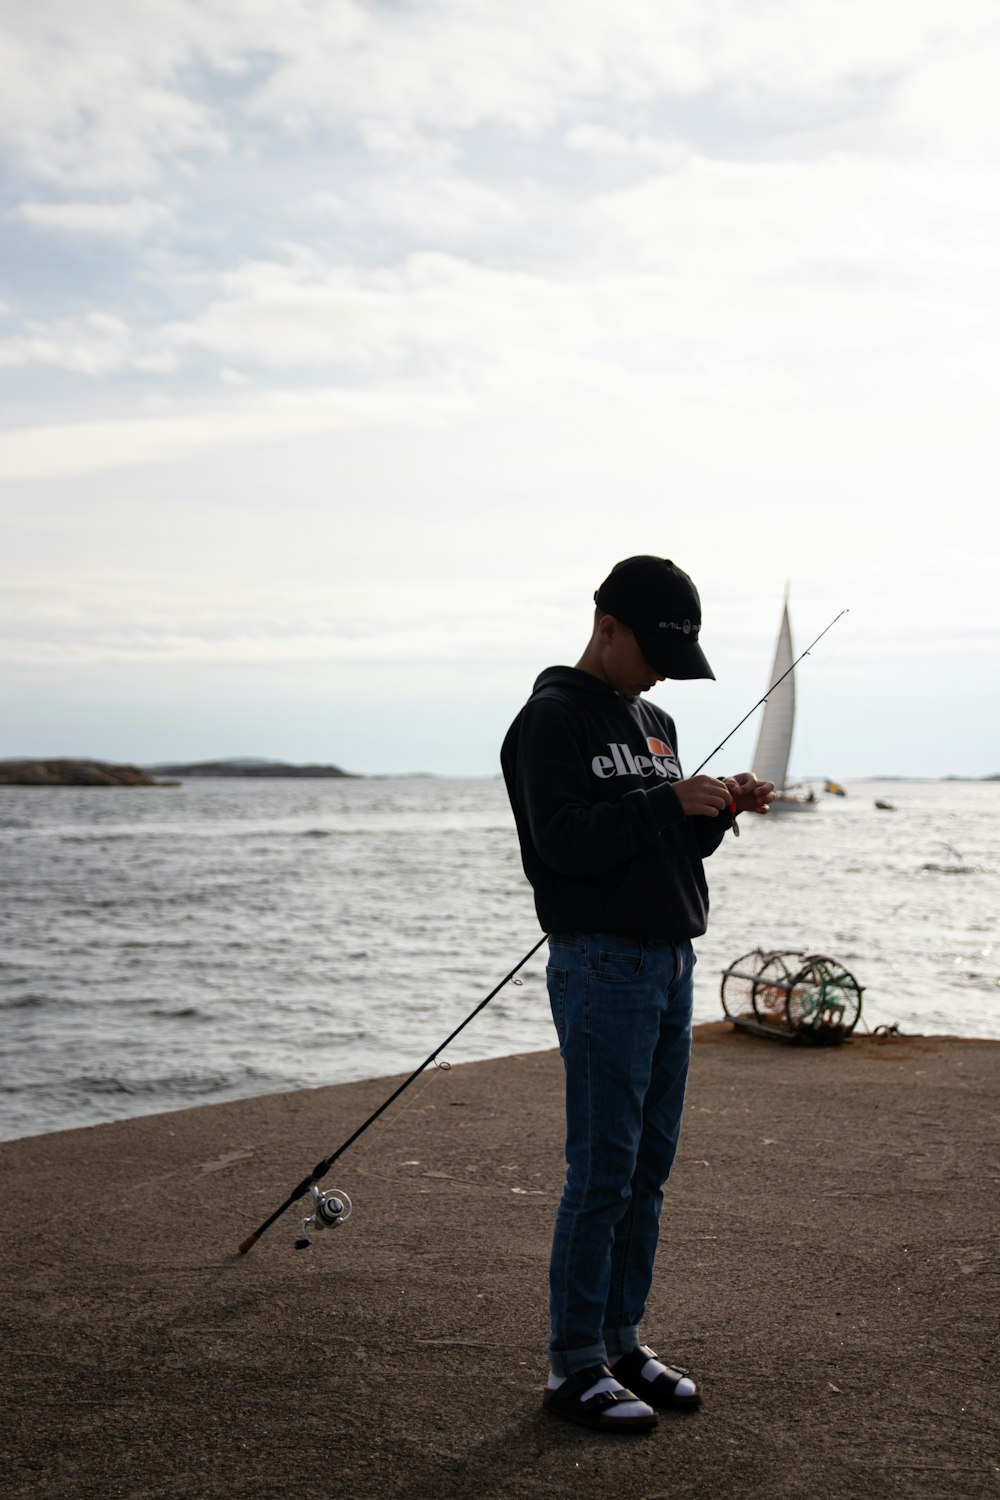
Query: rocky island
<point x="69" y="772"/>
<point x="248" y="767"/>
<point x="72" y="773"/>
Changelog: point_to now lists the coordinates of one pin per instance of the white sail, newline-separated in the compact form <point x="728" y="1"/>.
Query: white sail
<point x="774" y="743"/>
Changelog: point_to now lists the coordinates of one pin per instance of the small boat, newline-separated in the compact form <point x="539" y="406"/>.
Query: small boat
<point x="774" y="742"/>
<point x="885" y="806"/>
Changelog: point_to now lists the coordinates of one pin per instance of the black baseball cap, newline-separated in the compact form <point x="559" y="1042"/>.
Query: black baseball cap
<point x="660" y="605"/>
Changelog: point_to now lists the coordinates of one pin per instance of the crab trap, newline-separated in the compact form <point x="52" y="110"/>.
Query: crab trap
<point x="791" y="996"/>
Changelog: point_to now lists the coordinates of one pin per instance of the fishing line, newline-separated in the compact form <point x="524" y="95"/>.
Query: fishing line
<point x="767" y="695"/>
<point x="389" y="1121"/>
<point x="333" y="1207"/>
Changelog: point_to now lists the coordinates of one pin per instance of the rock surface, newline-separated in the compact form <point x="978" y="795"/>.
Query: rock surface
<point x="827" y="1269"/>
<point x="72" y="773"/>
<point x="245" y="768"/>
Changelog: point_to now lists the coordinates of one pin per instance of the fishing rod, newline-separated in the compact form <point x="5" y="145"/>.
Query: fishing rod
<point x="332" y="1206"/>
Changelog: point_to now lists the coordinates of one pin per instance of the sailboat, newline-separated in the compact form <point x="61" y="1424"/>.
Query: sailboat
<point x="774" y="742"/>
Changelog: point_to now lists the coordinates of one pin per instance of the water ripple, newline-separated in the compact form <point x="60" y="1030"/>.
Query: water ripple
<point x="282" y="935"/>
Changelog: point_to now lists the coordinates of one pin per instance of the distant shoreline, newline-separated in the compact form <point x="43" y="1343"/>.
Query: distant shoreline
<point x="262" y="769"/>
<point x="70" y="772"/>
<point x="82" y="771"/>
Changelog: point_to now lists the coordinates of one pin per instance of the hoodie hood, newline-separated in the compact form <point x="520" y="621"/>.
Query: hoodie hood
<point x="574" y="679"/>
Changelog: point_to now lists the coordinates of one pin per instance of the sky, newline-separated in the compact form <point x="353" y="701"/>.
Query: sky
<point x="345" y="347"/>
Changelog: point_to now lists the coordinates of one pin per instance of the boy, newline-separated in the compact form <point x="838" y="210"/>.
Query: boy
<point x="612" y="840"/>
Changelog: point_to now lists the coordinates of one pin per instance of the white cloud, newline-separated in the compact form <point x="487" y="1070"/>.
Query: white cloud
<point x="764" y="284"/>
<point x="950" y="105"/>
<point x="426" y="207"/>
<point x="96" y="344"/>
<point x="741" y="219"/>
<point x="128" y="220"/>
<point x="83" y="447"/>
<point x="434" y="310"/>
<point x="644" y="151"/>
<point x="710" y="269"/>
<point x="525" y="276"/>
<point x="459" y="65"/>
<point x="103" y="96"/>
<point x="151" y="634"/>
<point x="92" y="121"/>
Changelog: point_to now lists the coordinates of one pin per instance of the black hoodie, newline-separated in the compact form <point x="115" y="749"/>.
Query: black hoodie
<point x="604" y="840"/>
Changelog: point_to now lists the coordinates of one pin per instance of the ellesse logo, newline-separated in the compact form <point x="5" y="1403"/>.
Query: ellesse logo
<point x="621" y="762"/>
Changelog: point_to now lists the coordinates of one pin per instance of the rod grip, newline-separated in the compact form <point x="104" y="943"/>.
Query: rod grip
<point x="293" y="1197"/>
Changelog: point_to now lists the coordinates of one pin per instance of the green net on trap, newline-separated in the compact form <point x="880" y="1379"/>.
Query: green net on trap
<point x="808" y="996"/>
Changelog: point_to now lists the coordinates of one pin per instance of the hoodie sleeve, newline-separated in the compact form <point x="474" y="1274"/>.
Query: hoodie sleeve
<point x="572" y="832"/>
<point x="711" y="831"/>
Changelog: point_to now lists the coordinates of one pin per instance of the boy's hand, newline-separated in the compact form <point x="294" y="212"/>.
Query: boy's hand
<point x="749" y="794"/>
<point x="702" y="796"/>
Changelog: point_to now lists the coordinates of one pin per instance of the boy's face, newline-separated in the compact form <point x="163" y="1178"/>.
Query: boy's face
<point x="622" y="663"/>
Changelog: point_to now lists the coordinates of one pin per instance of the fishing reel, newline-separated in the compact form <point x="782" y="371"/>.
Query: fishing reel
<point x="330" y="1208"/>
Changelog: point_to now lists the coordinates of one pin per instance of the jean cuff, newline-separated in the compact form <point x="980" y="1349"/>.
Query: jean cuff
<point x="619" y="1341"/>
<point x="566" y="1362"/>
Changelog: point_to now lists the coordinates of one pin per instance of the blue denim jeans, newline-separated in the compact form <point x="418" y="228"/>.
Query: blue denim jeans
<point x="622" y="1012"/>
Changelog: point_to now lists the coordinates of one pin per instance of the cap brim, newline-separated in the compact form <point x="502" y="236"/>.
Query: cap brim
<point x="682" y="662"/>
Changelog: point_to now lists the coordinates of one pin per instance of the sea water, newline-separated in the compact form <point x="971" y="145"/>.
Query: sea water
<point x="162" y="947"/>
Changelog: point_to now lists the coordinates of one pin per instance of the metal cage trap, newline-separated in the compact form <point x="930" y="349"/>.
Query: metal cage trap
<point x="791" y="996"/>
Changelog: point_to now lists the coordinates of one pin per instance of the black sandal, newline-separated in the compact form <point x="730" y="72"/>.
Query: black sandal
<point x="662" y="1391"/>
<point x="594" y="1413"/>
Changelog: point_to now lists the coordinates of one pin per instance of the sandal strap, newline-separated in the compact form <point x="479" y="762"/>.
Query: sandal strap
<point x="573" y="1387"/>
<point x="672" y="1370"/>
<point x="660" y="1389"/>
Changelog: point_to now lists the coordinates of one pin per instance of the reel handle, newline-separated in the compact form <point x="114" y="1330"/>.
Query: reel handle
<point x="331" y="1206"/>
